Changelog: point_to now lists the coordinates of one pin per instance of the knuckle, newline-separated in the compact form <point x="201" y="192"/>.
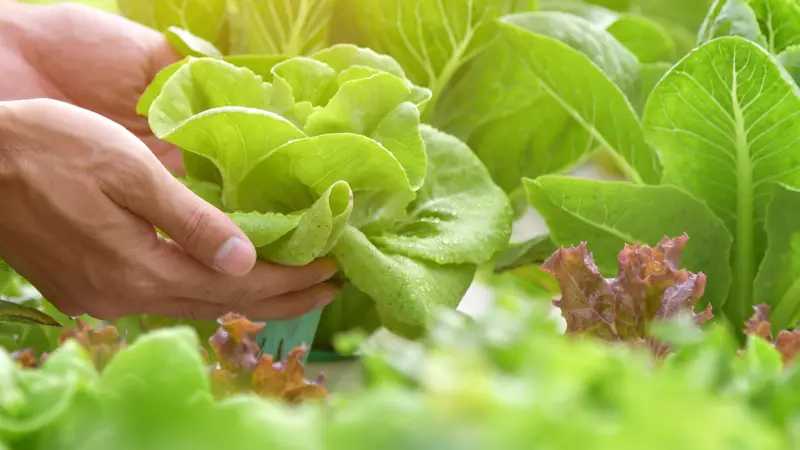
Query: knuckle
<point x="239" y="298"/>
<point x="128" y="179"/>
<point x="195" y="311"/>
<point x="187" y="311"/>
<point x="196" y="223"/>
<point x="137" y="281"/>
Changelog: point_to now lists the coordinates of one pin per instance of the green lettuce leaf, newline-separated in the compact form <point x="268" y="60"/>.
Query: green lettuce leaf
<point x="790" y="60"/>
<point x="522" y="121"/>
<point x="725" y="123"/>
<point x="33" y="401"/>
<point x="776" y="283"/>
<point x="188" y="44"/>
<point x="430" y="40"/>
<point x="459" y="215"/>
<point x="731" y="18"/>
<point x="328" y="157"/>
<point x="161" y="373"/>
<point x="597" y="99"/>
<point x="206" y="19"/>
<point x="643" y="37"/>
<point x="773" y="24"/>
<point x="277" y="27"/>
<point x="779" y="21"/>
<point x="612" y="214"/>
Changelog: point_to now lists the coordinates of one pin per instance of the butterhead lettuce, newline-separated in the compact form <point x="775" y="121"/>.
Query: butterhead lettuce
<point x="325" y="155"/>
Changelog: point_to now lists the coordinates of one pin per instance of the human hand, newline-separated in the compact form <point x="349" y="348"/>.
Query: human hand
<point x="86" y="57"/>
<point x="81" y="197"/>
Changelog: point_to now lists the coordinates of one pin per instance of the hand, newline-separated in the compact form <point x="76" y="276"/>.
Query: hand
<point x="80" y="197"/>
<point x="86" y="57"/>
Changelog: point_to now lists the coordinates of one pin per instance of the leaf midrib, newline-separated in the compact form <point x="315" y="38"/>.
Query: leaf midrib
<point x="625" y="166"/>
<point x="745" y="253"/>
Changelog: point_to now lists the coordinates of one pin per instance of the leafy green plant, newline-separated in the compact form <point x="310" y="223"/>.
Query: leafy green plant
<point x="722" y="123"/>
<point x="455" y="48"/>
<point x="772" y="24"/>
<point x="506" y="110"/>
<point x="508" y="380"/>
<point x="235" y="366"/>
<point x="242" y="27"/>
<point x="327" y="156"/>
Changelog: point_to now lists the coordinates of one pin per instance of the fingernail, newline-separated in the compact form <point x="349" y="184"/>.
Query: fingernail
<point x="235" y="257"/>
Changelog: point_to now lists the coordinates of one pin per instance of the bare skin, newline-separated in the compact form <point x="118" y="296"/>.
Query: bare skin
<point x="82" y="194"/>
<point x="85" y="57"/>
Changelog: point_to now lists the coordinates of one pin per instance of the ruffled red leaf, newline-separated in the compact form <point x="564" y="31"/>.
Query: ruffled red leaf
<point x="285" y="380"/>
<point x="26" y="358"/>
<point x="787" y="342"/>
<point x="648" y="288"/>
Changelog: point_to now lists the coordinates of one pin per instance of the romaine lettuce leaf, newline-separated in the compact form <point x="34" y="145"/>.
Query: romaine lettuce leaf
<point x="206" y="19"/>
<point x="725" y="123"/>
<point x="518" y="107"/>
<point x="611" y="214"/>
<point x="596" y="95"/>
<point x="777" y="283"/>
<point x="431" y="40"/>
<point x="279" y="27"/>
<point x="773" y="24"/>
<point x="328" y="157"/>
<point x="645" y="38"/>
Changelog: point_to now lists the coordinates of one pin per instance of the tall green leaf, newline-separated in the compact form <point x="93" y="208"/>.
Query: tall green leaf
<point x="777" y="283"/>
<point x="594" y="98"/>
<point x="203" y="18"/>
<point x="432" y="40"/>
<point x="279" y="27"/>
<point x="645" y="38"/>
<point x="725" y="121"/>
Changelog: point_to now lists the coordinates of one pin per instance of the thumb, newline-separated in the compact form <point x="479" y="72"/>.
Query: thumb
<point x="202" y="230"/>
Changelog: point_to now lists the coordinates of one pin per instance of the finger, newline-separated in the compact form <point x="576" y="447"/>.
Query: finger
<point x="162" y="54"/>
<point x="148" y="190"/>
<point x="295" y="304"/>
<point x="188" y="278"/>
<point x="169" y="155"/>
<point x="283" y="307"/>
